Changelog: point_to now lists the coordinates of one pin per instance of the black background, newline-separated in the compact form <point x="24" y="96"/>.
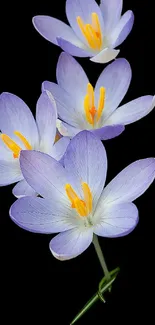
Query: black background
<point x="34" y="286"/>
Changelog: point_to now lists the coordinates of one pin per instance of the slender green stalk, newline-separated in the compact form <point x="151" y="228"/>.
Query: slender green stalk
<point x="101" y="257"/>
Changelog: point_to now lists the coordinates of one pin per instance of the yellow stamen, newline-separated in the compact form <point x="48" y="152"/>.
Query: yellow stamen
<point x="87" y="197"/>
<point x="87" y="110"/>
<point x="101" y="103"/>
<point x="23" y="139"/>
<point x="80" y="207"/>
<point x="57" y="137"/>
<point x="92" y="114"/>
<point x="91" y="32"/>
<point x="83" y="207"/>
<point x="97" y="27"/>
<point x="12" y="145"/>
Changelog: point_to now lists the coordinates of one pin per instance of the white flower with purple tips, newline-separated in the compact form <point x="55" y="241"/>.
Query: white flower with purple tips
<point x="74" y="202"/>
<point x="82" y="107"/>
<point x="21" y="132"/>
<point x="94" y="31"/>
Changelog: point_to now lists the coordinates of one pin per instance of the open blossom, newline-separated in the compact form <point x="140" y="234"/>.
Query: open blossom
<point x="82" y="107"/>
<point x="21" y="132"/>
<point x="94" y="31"/>
<point x="74" y="202"/>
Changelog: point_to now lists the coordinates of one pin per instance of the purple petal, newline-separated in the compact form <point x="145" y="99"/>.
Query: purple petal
<point x="115" y="78"/>
<point x="130" y="183"/>
<point x="66" y="106"/>
<point x="74" y="49"/>
<point x="46" y="176"/>
<point x="16" y="116"/>
<point x="59" y="148"/>
<point x="123" y="29"/>
<point x="71" y="243"/>
<point x="22" y="188"/>
<point x="108" y="132"/>
<point x="51" y="28"/>
<point x="86" y="159"/>
<point x="132" y="111"/>
<point x="66" y="129"/>
<point x="84" y="9"/>
<point x="40" y="215"/>
<point x="5" y="153"/>
<point x="116" y="220"/>
<point x="106" y="55"/>
<point x="9" y="172"/>
<point x="72" y="78"/>
<point x="46" y="115"/>
<point x="111" y="11"/>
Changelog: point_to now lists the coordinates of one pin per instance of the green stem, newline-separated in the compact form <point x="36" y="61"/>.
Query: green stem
<point x="101" y="257"/>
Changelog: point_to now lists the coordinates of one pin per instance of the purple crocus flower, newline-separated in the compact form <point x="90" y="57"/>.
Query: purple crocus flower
<point x="20" y="131"/>
<point x="74" y="202"/>
<point x="80" y="107"/>
<point x="95" y="30"/>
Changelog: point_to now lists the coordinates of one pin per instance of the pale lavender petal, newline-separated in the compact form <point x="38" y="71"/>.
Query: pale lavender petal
<point x="65" y="104"/>
<point x="22" y="188"/>
<point x="5" y="152"/>
<point x="116" y="220"/>
<point x="40" y="215"/>
<point x="46" y="115"/>
<point x="59" y="148"/>
<point x="46" y="175"/>
<point x="106" y="55"/>
<point x="71" y="243"/>
<point x="130" y="183"/>
<point x="86" y="159"/>
<point x="132" y="111"/>
<point x="66" y="129"/>
<point x="115" y="78"/>
<point x="79" y="50"/>
<point x="111" y="11"/>
<point x="72" y="78"/>
<point x="51" y="28"/>
<point x="122" y="29"/>
<point x="84" y="9"/>
<point x="16" y="116"/>
<point x="108" y="132"/>
<point x="9" y="172"/>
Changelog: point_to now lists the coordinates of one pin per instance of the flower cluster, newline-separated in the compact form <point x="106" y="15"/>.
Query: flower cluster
<point x="58" y="160"/>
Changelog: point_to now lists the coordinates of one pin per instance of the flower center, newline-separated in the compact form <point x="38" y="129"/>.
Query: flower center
<point x="13" y="146"/>
<point x="92" y="32"/>
<point x="83" y="207"/>
<point x="92" y="114"/>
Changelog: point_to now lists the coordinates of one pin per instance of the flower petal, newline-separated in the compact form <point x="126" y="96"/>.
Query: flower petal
<point x="46" y="115"/>
<point x="22" y="188"/>
<point x="40" y="215"/>
<point x="65" y="104"/>
<point x="122" y="29"/>
<point x="9" y="172"/>
<point x="132" y="111"/>
<point x="67" y="130"/>
<point x="46" y="176"/>
<point x="108" y="132"/>
<point x="84" y="9"/>
<point x="111" y="11"/>
<point x="59" y="148"/>
<point x="115" y="78"/>
<point x="86" y="159"/>
<point x="116" y="220"/>
<point x="130" y="183"/>
<point x="72" y="78"/>
<point x="51" y="28"/>
<point x="106" y="55"/>
<point x="79" y="50"/>
<point x="71" y="243"/>
<point x="16" y="116"/>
